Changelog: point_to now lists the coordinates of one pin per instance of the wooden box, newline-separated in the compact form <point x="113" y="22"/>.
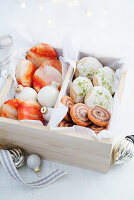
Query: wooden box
<point x="64" y="147"/>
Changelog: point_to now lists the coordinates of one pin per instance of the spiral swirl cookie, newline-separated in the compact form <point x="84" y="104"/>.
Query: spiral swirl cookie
<point x="79" y="115"/>
<point x="99" y="96"/>
<point x="97" y="129"/>
<point x="68" y="102"/>
<point x="86" y="67"/>
<point x="64" y="123"/>
<point x="99" y="116"/>
<point x="107" y="78"/>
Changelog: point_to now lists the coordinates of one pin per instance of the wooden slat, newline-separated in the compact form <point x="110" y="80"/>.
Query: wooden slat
<point x="122" y="86"/>
<point x="67" y="149"/>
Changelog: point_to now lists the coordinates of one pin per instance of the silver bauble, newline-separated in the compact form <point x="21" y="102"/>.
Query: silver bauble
<point x="123" y="151"/>
<point x="17" y="157"/>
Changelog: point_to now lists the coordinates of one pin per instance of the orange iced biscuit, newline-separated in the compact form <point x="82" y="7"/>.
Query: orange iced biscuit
<point x="30" y="110"/>
<point x="10" y="109"/>
<point x="54" y="63"/>
<point x="24" y="73"/>
<point x="44" y="76"/>
<point x="41" y="53"/>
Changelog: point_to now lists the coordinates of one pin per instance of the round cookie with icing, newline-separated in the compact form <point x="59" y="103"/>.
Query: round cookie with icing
<point x="99" y="96"/>
<point x="79" y="88"/>
<point x="107" y="78"/>
<point x="86" y="67"/>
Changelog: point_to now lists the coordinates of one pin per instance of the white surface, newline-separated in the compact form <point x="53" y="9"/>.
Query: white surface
<point x="106" y="28"/>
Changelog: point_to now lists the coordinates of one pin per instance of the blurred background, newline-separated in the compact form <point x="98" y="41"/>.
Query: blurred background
<point x="106" y="28"/>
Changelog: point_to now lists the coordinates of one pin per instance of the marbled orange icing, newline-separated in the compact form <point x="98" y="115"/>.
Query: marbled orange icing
<point x="44" y="76"/>
<point x="24" y="73"/>
<point x="41" y="53"/>
<point x="54" y="63"/>
<point x="10" y="109"/>
<point x="30" y="110"/>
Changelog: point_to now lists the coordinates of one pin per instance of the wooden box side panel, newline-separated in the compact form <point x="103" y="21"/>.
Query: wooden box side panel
<point x="57" y="147"/>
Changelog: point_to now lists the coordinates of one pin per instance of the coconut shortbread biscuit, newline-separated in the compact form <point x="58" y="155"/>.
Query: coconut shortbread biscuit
<point x="79" y="88"/>
<point x="99" y="96"/>
<point x="107" y="78"/>
<point x="87" y="66"/>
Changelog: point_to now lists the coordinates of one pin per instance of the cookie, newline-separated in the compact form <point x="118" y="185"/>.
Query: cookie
<point x="41" y="53"/>
<point x="99" y="116"/>
<point x="10" y="109"/>
<point x="86" y="67"/>
<point x="24" y="72"/>
<point x="54" y="63"/>
<point x="99" y="96"/>
<point x="44" y="76"/>
<point x="79" y="115"/>
<point x="79" y="88"/>
<point x="68" y="117"/>
<point x="30" y="110"/>
<point x="97" y="129"/>
<point x="107" y="78"/>
<point x="64" y="123"/>
<point x="68" y="102"/>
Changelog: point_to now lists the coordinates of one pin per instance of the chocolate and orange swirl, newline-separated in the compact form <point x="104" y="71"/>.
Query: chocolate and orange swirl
<point x="64" y="123"/>
<point x="79" y="115"/>
<point x="97" y="129"/>
<point x="99" y="116"/>
<point x="68" y="102"/>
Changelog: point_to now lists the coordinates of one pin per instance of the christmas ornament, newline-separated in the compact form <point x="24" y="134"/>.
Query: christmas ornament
<point x="34" y="162"/>
<point x="124" y="150"/>
<point x="46" y="113"/>
<point x="48" y="95"/>
<point x="17" y="156"/>
<point x="25" y="93"/>
<point x="8" y="164"/>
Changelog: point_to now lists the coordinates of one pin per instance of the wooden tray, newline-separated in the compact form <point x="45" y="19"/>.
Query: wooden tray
<point x="64" y="147"/>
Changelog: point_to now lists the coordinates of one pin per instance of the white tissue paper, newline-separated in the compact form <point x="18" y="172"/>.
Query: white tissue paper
<point x="70" y="55"/>
<point x="70" y="52"/>
<point x="21" y="47"/>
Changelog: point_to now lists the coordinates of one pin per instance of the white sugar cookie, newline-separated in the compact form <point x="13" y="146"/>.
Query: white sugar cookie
<point x="86" y="67"/>
<point x="99" y="96"/>
<point x="107" y="78"/>
<point x="79" y="88"/>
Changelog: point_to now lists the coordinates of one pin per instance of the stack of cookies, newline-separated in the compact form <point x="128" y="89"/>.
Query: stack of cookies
<point x="91" y="95"/>
<point x="96" y="118"/>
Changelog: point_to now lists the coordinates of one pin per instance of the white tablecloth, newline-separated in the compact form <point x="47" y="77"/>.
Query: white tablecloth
<point x="106" y="29"/>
